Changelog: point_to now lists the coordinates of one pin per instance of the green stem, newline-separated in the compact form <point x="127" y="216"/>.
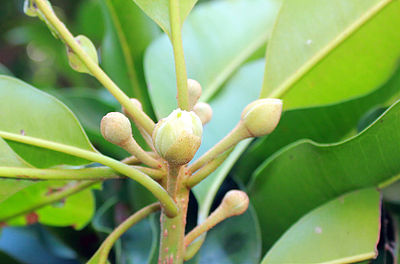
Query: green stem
<point x="172" y="248"/>
<point x="180" y="67"/>
<point x="194" y="247"/>
<point x="133" y="148"/>
<point x="100" y="173"/>
<point x="155" y="188"/>
<point x="153" y="173"/>
<point x="106" y="246"/>
<point x="207" y="169"/>
<point x="96" y="71"/>
<point x="237" y="134"/>
<point x="52" y="198"/>
<point x="216" y="217"/>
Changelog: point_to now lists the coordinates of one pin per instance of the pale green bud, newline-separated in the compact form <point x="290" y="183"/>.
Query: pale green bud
<point x="203" y="111"/>
<point x="75" y="62"/>
<point x="136" y="103"/>
<point x="262" y="116"/>
<point x="30" y="8"/>
<point x="194" y="89"/>
<point x="116" y="128"/>
<point x="235" y="202"/>
<point x="178" y="136"/>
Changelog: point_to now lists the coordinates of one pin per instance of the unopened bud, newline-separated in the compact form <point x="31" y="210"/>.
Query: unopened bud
<point x="262" y="116"/>
<point x="116" y="128"/>
<point x="75" y="62"/>
<point x="30" y="8"/>
<point x="136" y="103"/>
<point x="178" y="136"/>
<point x="194" y="89"/>
<point x="235" y="202"/>
<point x="204" y="112"/>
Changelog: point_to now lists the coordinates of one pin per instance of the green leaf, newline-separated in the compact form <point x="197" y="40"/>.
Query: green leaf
<point x="326" y="51"/>
<point x="9" y="158"/>
<point x="90" y="107"/>
<point x="128" y="33"/>
<point x="158" y="10"/>
<point x="344" y="230"/>
<point x="30" y="204"/>
<point x="219" y="36"/>
<point x="323" y="124"/>
<point x="230" y="243"/>
<point x="28" y="111"/>
<point x="305" y="174"/>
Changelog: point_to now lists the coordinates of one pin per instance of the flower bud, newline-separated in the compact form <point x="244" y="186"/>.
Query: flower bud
<point x="178" y="136"/>
<point x="75" y="62"/>
<point x="262" y="116"/>
<point x="204" y="112"/>
<point x="30" y="8"/>
<point x="136" y="103"/>
<point x="116" y="128"/>
<point x="235" y="202"/>
<point x="194" y="89"/>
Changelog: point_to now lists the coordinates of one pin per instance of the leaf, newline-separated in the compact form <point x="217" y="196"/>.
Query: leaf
<point x="158" y="10"/>
<point x="28" y="111"/>
<point x="9" y="158"/>
<point x="30" y="205"/>
<point x="344" y="230"/>
<point x="128" y="33"/>
<point x="90" y="107"/>
<point x="134" y="246"/>
<point x="323" y="124"/>
<point x="305" y="174"/>
<point x="230" y="243"/>
<point x="326" y="51"/>
<point x="215" y="45"/>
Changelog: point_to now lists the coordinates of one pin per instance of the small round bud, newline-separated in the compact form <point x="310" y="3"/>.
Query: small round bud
<point x="194" y="89"/>
<point x="262" y="116"/>
<point x="136" y="103"/>
<point x="116" y="128"/>
<point x="30" y="8"/>
<point x="178" y="136"/>
<point x="75" y="62"/>
<point x="235" y="202"/>
<point x="204" y="111"/>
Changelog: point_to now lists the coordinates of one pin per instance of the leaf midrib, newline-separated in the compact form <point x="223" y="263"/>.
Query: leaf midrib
<point x="285" y="86"/>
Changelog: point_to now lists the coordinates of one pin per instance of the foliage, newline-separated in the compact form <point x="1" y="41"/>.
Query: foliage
<point x="321" y="186"/>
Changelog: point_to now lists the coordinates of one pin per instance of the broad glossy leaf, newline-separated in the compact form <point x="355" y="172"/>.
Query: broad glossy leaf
<point x="90" y="107"/>
<point x="327" y="51"/>
<point x="344" y="230"/>
<point x="29" y="205"/>
<point x="323" y="124"/>
<point x="27" y="111"/>
<point x="241" y="89"/>
<point x="135" y="245"/>
<point x="128" y="33"/>
<point x="236" y="240"/>
<point x="8" y="158"/>
<point x="305" y="175"/>
<point x="218" y="37"/>
<point x="158" y="10"/>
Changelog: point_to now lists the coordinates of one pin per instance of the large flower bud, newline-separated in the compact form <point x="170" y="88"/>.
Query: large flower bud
<point x="178" y="137"/>
<point x="262" y="116"/>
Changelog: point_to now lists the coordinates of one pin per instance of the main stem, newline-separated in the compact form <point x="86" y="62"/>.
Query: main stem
<point x="172" y="247"/>
<point x="180" y="67"/>
<point x="95" y="70"/>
